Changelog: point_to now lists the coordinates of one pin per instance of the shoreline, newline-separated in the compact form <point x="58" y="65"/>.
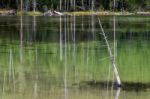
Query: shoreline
<point x="84" y="13"/>
<point x="5" y="12"/>
<point x="106" y="13"/>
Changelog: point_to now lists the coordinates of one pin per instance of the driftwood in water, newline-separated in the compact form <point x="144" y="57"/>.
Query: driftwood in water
<point x="52" y="13"/>
<point x="8" y="12"/>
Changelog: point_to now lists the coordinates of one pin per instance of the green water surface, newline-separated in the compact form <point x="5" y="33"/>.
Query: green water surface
<point x="50" y="57"/>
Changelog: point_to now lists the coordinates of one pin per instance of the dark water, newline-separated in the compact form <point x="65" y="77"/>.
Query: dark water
<point x="53" y="57"/>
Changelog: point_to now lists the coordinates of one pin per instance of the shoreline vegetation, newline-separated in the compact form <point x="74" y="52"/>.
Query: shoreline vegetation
<point x="7" y="12"/>
<point x="80" y="13"/>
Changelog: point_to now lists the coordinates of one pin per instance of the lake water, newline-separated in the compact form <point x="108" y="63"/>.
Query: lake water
<point x="57" y="57"/>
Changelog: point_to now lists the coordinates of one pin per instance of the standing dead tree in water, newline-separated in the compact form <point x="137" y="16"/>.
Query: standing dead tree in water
<point x="111" y="56"/>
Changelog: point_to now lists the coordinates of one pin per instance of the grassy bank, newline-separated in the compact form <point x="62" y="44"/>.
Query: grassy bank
<point x="30" y="13"/>
<point x="98" y="13"/>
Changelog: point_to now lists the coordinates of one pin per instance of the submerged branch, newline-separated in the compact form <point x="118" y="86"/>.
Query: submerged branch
<point x="111" y="55"/>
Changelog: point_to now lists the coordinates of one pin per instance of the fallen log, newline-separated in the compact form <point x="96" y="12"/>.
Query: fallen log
<point x="52" y="13"/>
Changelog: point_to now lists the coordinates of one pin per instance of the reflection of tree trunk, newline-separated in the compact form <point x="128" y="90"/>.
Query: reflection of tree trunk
<point x="4" y="82"/>
<point x="89" y="21"/>
<point x="87" y="60"/>
<point x="74" y="30"/>
<point x="34" y="28"/>
<point x="60" y="39"/>
<point x="115" y="49"/>
<point x="28" y="28"/>
<point x="21" y="32"/>
<point x="82" y="23"/>
<point x="93" y="25"/>
<point x="114" y="24"/>
<point x="21" y="75"/>
<point x="35" y="94"/>
<point x="21" y="80"/>
<point x="10" y="66"/>
<point x="74" y="48"/>
<point x="65" y="64"/>
<point x="35" y="90"/>
<point x="118" y="93"/>
<point x="11" y="72"/>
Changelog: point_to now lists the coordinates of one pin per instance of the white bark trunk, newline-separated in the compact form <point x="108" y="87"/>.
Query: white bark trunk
<point x="111" y="55"/>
